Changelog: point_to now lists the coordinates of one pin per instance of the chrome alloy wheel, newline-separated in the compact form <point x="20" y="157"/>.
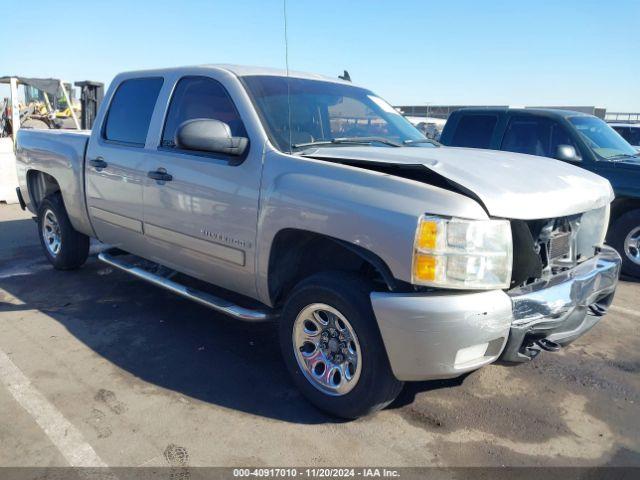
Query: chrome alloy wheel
<point x="51" y="232"/>
<point x="327" y="349"/>
<point x="632" y="245"/>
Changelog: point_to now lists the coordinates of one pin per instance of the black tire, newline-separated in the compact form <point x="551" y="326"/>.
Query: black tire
<point x="349" y="294"/>
<point x="35" y="124"/>
<point x="621" y="227"/>
<point x="74" y="246"/>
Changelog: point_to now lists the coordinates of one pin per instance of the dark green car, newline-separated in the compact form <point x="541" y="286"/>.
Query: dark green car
<point x="573" y="137"/>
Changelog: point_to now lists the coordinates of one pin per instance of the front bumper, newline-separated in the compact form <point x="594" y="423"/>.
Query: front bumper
<point x="444" y="334"/>
<point x="562" y="308"/>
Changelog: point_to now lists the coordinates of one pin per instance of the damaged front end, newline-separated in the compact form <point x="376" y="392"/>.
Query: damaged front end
<point x="558" y="310"/>
<point x="561" y="285"/>
<point x="562" y="279"/>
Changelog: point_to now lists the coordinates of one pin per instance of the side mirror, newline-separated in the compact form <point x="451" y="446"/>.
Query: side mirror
<point x="209" y="135"/>
<point x="567" y="153"/>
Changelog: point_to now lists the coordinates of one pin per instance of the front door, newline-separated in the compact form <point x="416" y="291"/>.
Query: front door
<point x="534" y="136"/>
<point x="116" y="161"/>
<point x="203" y="220"/>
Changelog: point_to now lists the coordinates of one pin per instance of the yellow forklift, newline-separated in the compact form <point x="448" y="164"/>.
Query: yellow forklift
<point x="43" y="103"/>
<point x="47" y="104"/>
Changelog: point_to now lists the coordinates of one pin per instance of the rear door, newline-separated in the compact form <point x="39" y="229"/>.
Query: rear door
<point x="116" y="161"/>
<point x="203" y="221"/>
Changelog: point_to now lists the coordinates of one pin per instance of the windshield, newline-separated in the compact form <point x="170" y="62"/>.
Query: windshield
<point x="602" y="139"/>
<point x="325" y="112"/>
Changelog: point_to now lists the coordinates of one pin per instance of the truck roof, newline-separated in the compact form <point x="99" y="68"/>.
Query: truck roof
<point x="549" y="112"/>
<point x="240" y="71"/>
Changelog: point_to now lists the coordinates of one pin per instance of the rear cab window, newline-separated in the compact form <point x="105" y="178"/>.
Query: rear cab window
<point x="474" y="131"/>
<point x="130" y="111"/>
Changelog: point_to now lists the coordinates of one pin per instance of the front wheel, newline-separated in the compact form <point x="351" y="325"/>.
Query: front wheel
<point x="64" y="247"/>
<point x="332" y="346"/>
<point x="625" y="238"/>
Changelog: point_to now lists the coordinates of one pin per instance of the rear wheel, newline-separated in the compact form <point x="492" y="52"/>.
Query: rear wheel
<point x="625" y="238"/>
<point x="63" y="246"/>
<point x="332" y="347"/>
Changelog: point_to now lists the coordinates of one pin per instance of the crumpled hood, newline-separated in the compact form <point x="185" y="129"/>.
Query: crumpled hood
<point x="510" y="185"/>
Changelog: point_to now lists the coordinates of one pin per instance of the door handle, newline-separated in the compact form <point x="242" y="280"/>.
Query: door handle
<point x="160" y="175"/>
<point x="98" y="162"/>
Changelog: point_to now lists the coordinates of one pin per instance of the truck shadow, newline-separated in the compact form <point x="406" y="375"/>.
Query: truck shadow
<point x="629" y="278"/>
<point x="412" y="389"/>
<point x="162" y="339"/>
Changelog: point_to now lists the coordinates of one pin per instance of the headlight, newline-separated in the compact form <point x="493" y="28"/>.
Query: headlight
<point x="456" y="253"/>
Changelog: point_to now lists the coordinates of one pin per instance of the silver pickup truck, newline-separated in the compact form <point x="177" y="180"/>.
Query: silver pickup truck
<point x="380" y="256"/>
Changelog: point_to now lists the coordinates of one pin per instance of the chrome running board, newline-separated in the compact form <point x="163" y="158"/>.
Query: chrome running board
<point x="203" y="298"/>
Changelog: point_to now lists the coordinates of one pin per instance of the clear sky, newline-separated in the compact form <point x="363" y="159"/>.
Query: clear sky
<point x="518" y="52"/>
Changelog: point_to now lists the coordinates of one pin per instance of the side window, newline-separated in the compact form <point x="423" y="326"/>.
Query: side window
<point x="560" y="136"/>
<point x="200" y="97"/>
<point x="130" y="111"/>
<point x="474" y="131"/>
<point x="623" y="132"/>
<point x="634" y="136"/>
<point x="528" y="135"/>
<point x="630" y="134"/>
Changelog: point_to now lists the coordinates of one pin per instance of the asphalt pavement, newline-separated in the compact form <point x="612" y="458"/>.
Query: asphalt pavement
<point x="98" y="368"/>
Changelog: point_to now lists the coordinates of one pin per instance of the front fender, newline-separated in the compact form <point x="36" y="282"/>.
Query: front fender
<point x="375" y="211"/>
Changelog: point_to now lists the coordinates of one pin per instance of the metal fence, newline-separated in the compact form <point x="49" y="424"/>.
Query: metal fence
<point x="443" y="111"/>
<point x="437" y="111"/>
<point x="623" y="117"/>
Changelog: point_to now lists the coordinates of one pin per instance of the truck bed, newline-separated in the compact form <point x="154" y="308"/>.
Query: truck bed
<point x="59" y="153"/>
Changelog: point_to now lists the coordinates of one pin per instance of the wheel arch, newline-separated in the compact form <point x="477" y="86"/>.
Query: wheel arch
<point x="297" y="254"/>
<point x="625" y="219"/>
<point x="622" y="205"/>
<point x="40" y="185"/>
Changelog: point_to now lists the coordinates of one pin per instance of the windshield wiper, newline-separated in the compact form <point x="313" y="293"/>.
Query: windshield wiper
<point x="622" y="156"/>
<point x="423" y="140"/>
<point x="349" y="140"/>
<point x="383" y="140"/>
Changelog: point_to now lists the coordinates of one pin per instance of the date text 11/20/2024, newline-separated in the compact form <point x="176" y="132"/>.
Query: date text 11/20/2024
<point x="316" y="472"/>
